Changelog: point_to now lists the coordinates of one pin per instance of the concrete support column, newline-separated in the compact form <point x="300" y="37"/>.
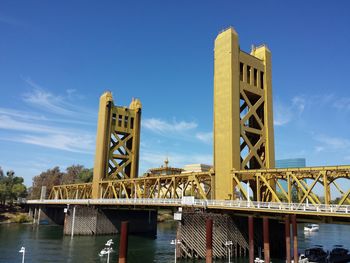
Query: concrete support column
<point x="266" y="239"/>
<point x="73" y="222"/>
<point x="287" y="235"/>
<point x="251" y="238"/>
<point x="39" y="213"/>
<point x="123" y="246"/>
<point x="295" y="238"/>
<point x="209" y="241"/>
<point x="35" y="215"/>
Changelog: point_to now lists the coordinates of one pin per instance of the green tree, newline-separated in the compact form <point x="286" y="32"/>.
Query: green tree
<point x="2" y="193"/>
<point x="85" y="176"/>
<point x="11" y="187"/>
<point x="18" y="190"/>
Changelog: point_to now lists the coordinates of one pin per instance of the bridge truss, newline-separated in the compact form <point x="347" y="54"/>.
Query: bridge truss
<point x="299" y="186"/>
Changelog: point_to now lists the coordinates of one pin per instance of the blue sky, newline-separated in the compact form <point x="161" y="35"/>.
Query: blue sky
<point x="57" y="58"/>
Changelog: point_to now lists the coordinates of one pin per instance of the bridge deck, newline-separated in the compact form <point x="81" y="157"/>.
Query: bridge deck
<point x="236" y="205"/>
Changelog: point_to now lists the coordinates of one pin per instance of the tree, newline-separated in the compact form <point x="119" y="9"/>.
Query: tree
<point x="11" y="187"/>
<point x="2" y="193"/>
<point x="85" y="176"/>
<point x="49" y="178"/>
<point x="74" y="174"/>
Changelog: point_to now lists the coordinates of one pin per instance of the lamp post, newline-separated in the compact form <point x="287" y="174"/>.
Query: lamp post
<point x="109" y="248"/>
<point x="229" y="244"/>
<point x="23" y="251"/>
<point x="248" y="192"/>
<point x="175" y="242"/>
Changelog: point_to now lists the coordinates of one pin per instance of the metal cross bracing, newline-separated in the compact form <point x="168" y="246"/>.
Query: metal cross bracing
<point x="71" y="191"/>
<point x="293" y="186"/>
<point x="163" y="187"/>
<point x="298" y="185"/>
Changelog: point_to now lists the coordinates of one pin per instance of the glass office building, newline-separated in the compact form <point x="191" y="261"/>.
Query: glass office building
<point x="291" y="163"/>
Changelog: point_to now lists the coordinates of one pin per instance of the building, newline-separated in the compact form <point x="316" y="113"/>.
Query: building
<point x="291" y="163"/>
<point x="196" y="168"/>
<point x="163" y="170"/>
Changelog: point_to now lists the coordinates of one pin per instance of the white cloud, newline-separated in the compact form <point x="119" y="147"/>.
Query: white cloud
<point x="22" y="114"/>
<point x="298" y="103"/>
<point x="332" y="143"/>
<point x="163" y="127"/>
<point x="10" y="123"/>
<point x="44" y="100"/>
<point x="319" y="149"/>
<point x="33" y="116"/>
<point x="72" y="142"/>
<point x="342" y="103"/>
<point x="47" y="136"/>
<point x="206" y="137"/>
<point x="286" y="112"/>
<point x="41" y="129"/>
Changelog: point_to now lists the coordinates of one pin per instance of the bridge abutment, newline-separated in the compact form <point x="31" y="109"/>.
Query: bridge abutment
<point x="90" y="220"/>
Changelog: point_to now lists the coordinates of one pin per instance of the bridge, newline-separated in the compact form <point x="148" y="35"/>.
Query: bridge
<point x="243" y="182"/>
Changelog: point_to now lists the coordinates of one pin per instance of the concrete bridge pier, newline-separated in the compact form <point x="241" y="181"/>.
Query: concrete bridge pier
<point x="204" y="234"/>
<point x="249" y="235"/>
<point x="91" y="220"/>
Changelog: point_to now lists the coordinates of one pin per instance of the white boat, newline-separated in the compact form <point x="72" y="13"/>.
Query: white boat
<point x="311" y="228"/>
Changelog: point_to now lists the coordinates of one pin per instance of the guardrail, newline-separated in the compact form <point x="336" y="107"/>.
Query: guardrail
<point x="217" y="204"/>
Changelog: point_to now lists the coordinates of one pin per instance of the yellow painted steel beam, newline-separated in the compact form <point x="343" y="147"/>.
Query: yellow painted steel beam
<point x="199" y="185"/>
<point x="243" y="116"/>
<point x="117" y="142"/>
<point x="104" y="113"/>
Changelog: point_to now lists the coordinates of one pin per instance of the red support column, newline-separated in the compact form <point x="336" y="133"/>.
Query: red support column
<point x="251" y="238"/>
<point x="123" y="243"/>
<point x="266" y="239"/>
<point x="209" y="241"/>
<point x="295" y="238"/>
<point x="287" y="234"/>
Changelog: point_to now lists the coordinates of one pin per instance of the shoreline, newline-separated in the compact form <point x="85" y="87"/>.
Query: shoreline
<point x="13" y="214"/>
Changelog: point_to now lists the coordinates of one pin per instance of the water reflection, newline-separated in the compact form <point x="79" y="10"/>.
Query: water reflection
<point x="47" y="244"/>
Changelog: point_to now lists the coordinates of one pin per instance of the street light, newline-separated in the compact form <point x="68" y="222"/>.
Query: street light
<point x="23" y="250"/>
<point x="229" y="244"/>
<point x="109" y="244"/>
<point x="175" y="242"/>
<point x="107" y="249"/>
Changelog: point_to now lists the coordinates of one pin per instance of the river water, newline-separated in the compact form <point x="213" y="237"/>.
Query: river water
<point x="47" y="244"/>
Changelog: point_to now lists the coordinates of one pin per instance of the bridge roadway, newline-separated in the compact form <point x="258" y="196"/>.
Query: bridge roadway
<point x="309" y="212"/>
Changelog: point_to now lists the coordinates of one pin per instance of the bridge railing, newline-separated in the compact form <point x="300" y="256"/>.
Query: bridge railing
<point x="343" y="210"/>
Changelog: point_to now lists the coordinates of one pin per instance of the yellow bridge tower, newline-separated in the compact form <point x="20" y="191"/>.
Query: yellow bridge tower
<point x="243" y="118"/>
<point x="117" y="143"/>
